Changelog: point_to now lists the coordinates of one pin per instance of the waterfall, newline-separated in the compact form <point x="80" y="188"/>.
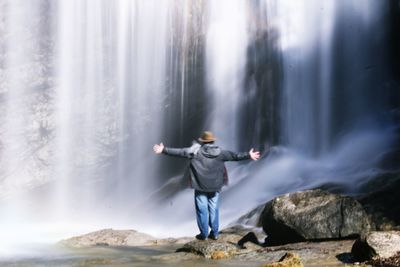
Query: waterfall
<point x="333" y="107"/>
<point x="307" y="63"/>
<point x="111" y="76"/>
<point x="20" y="130"/>
<point x="226" y="50"/>
<point x="87" y="87"/>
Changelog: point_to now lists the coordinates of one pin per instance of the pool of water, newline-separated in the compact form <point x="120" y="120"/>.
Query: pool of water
<point x="54" y="256"/>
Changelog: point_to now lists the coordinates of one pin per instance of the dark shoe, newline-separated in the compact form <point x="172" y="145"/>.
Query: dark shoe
<point x="200" y="237"/>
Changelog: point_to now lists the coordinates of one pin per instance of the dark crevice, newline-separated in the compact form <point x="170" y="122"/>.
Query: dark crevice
<point x="341" y="218"/>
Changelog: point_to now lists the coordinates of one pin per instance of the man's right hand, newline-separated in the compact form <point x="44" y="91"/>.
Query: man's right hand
<point x="254" y="155"/>
<point x="158" y="148"/>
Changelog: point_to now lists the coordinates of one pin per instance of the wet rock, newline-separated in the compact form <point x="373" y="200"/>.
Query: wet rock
<point x="110" y="237"/>
<point x="312" y="215"/>
<point x="393" y="261"/>
<point x="173" y="241"/>
<point x="288" y="260"/>
<point x="377" y="245"/>
<point x="311" y="253"/>
<point x="210" y="249"/>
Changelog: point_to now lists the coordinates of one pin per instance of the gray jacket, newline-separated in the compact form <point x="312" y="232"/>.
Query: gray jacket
<point x="206" y="164"/>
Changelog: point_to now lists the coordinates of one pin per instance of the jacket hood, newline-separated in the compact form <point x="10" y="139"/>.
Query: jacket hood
<point x="210" y="150"/>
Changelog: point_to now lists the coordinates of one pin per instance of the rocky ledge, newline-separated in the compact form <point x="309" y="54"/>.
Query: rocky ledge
<point x="117" y="238"/>
<point x="312" y="228"/>
<point x="110" y="237"/>
<point x="226" y="247"/>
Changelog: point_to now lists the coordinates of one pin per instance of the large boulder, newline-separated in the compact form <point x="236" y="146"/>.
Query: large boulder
<point x="377" y="245"/>
<point x="312" y="215"/>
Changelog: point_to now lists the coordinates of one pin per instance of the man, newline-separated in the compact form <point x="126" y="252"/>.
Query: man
<point x="207" y="172"/>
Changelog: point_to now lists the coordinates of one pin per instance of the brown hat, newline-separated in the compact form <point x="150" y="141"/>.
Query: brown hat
<point x="207" y="137"/>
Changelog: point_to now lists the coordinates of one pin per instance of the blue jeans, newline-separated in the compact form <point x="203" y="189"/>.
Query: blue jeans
<point x="207" y="212"/>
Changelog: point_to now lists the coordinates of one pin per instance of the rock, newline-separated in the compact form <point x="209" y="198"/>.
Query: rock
<point x="210" y="249"/>
<point x="393" y="261"/>
<point x="312" y="215"/>
<point x="375" y="245"/>
<point x="163" y="250"/>
<point x="173" y="241"/>
<point x="219" y="254"/>
<point x="110" y="237"/>
<point x="326" y="253"/>
<point x="288" y="260"/>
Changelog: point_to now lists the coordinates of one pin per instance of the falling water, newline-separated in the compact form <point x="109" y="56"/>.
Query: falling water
<point x="307" y="63"/>
<point x="226" y="58"/>
<point x="23" y="134"/>
<point x="111" y="74"/>
<point x="334" y="127"/>
<point x="88" y="86"/>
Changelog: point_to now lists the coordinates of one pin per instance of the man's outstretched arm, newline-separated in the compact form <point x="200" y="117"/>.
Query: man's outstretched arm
<point x="232" y="156"/>
<point x="177" y="152"/>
